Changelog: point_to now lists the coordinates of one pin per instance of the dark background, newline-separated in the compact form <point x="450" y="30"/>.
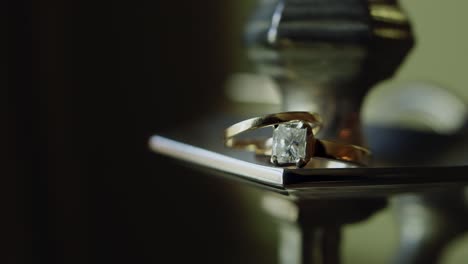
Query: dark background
<point x="88" y="82"/>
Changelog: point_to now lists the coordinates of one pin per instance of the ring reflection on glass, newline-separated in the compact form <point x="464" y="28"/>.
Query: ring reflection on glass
<point x="293" y="140"/>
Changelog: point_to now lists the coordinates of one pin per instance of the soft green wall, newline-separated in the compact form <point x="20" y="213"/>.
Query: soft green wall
<point x="440" y="54"/>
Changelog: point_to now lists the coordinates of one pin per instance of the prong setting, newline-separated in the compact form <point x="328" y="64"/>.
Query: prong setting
<point x="300" y="163"/>
<point x="274" y="160"/>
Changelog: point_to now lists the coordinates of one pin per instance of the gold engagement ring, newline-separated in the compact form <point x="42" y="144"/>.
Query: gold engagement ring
<point x="293" y="141"/>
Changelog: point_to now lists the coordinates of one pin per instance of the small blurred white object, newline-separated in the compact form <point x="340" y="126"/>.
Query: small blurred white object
<point x="416" y="106"/>
<point x="252" y="88"/>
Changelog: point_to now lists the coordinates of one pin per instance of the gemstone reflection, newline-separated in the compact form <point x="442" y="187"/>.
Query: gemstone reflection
<point x="289" y="143"/>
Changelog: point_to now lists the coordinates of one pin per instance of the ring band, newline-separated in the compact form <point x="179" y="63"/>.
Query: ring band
<point x="293" y="140"/>
<point x="312" y="119"/>
<point x="323" y="149"/>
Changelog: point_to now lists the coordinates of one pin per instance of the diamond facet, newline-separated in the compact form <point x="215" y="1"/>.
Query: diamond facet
<point x="289" y="142"/>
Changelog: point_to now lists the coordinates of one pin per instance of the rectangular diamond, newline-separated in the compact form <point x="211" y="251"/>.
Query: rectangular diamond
<point x="289" y="143"/>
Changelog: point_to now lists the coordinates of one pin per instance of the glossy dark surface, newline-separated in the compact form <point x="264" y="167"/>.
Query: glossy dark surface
<point x="313" y="205"/>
